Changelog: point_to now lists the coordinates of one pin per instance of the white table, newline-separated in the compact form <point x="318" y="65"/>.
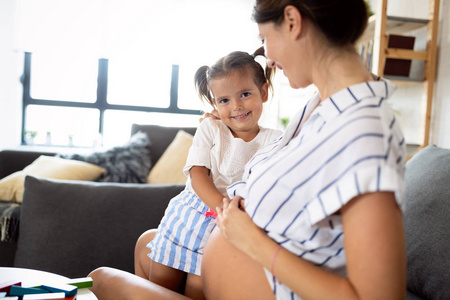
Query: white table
<point x="30" y="277"/>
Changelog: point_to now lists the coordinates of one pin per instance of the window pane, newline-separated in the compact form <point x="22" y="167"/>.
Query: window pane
<point x="117" y="125"/>
<point x="135" y="81"/>
<point x="63" y="76"/>
<point x="62" y="126"/>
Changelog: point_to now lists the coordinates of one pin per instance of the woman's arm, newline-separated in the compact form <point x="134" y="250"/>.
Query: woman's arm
<point x="204" y="187"/>
<point x="374" y="247"/>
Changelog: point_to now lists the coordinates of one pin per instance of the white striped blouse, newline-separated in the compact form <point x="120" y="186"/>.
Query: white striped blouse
<point x="331" y="152"/>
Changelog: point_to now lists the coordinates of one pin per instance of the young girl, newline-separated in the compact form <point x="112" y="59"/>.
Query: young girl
<point x="236" y="86"/>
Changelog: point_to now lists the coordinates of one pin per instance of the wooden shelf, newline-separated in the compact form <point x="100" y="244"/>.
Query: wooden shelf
<point x="376" y="37"/>
<point x="404" y="81"/>
<point x="394" y="25"/>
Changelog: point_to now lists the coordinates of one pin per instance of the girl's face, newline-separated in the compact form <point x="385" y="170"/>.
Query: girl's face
<point x="239" y="102"/>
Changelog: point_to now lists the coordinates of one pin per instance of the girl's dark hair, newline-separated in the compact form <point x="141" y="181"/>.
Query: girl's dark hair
<point x="238" y="60"/>
<point x="341" y="21"/>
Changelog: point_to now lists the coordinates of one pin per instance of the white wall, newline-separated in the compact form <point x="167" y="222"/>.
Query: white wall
<point x="11" y="64"/>
<point x="10" y="88"/>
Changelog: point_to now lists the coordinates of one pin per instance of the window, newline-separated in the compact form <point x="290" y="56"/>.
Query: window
<point x="94" y="67"/>
<point x="88" y="116"/>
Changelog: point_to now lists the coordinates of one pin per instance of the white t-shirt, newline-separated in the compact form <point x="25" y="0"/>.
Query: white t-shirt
<point x="215" y="148"/>
<point x="349" y="144"/>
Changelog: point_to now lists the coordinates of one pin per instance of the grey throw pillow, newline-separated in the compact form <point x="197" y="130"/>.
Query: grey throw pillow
<point x="129" y="163"/>
<point x="427" y="223"/>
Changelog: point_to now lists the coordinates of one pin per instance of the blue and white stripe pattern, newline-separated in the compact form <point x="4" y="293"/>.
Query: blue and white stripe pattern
<point x="182" y="233"/>
<point x="331" y="152"/>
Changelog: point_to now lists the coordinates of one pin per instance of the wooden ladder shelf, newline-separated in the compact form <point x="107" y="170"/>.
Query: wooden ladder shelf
<point x="383" y="24"/>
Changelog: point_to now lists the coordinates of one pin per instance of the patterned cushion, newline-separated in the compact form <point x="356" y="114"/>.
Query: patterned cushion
<point x="129" y="163"/>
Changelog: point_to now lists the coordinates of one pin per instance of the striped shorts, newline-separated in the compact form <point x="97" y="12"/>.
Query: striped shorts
<point x="182" y="233"/>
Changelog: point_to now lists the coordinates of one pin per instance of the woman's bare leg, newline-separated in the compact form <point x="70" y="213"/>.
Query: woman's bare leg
<point x="194" y="287"/>
<point x="113" y="284"/>
<point x="141" y="259"/>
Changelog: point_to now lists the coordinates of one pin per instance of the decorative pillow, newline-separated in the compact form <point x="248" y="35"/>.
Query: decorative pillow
<point x="169" y="168"/>
<point x="427" y="223"/>
<point x="12" y="186"/>
<point x="129" y="163"/>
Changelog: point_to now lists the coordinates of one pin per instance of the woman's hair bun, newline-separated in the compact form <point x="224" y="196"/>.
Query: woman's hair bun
<point x="341" y="21"/>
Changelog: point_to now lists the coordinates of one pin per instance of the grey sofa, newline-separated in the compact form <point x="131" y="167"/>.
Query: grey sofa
<point x="71" y="228"/>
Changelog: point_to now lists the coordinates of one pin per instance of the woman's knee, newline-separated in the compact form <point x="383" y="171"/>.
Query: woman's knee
<point x="98" y="272"/>
<point x="99" y="276"/>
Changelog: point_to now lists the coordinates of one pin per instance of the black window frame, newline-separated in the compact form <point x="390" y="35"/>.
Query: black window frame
<point x="101" y="102"/>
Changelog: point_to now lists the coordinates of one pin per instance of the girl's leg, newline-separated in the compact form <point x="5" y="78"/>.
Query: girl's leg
<point x="167" y="277"/>
<point x="144" y="267"/>
<point x="141" y="259"/>
<point x="113" y="284"/>
<point x="194" y="288"/>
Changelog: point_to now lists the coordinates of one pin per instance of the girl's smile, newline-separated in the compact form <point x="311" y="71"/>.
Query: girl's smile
<point x="241" y="117"/>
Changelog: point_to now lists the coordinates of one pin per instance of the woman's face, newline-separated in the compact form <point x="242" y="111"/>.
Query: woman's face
<point x="284" y="52"/>
<point x="273" y="44"/>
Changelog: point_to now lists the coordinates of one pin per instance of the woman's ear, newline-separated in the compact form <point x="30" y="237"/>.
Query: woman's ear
<point x="293" y="19"/>
<point x="265" y="92"/>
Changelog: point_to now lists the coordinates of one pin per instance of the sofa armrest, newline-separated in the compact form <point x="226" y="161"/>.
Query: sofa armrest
<point x="16" y="160"/>
<point x="73" y="227"/>
<point x="426" y="220"/>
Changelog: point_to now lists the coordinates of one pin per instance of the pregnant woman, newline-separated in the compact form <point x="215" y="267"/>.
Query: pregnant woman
<point x="317" y="216"/>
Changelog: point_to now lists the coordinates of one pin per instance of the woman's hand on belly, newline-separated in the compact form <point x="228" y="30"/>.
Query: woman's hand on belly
<point x="237" y="227"/>
<point x="228" y="273"/>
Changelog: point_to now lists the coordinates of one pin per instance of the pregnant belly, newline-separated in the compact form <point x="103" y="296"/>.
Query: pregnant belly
<point x="228" y="273"/>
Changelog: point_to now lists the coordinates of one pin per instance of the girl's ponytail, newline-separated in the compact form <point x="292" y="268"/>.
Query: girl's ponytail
<point x="201" y="85"/>
<point x="269" y="72"/>
<point x="259" y="51"/>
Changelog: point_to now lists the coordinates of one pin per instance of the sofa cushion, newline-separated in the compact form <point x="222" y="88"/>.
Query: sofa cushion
<point x="427" y="223"/>
<point x="160" y="137"/>
<point x="12" y="186"/>
<point x="169" y="167"/>
<point x="71" y="228"/>
<point x="129" y="163"/>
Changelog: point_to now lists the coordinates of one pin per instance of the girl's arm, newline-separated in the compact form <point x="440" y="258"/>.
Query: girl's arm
<point x="205" y="188"/>
<point x="374" y="249"/>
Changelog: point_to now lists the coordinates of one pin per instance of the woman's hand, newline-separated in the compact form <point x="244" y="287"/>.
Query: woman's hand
<point x="213" y="115"/>
<point x="236" y="225"/>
